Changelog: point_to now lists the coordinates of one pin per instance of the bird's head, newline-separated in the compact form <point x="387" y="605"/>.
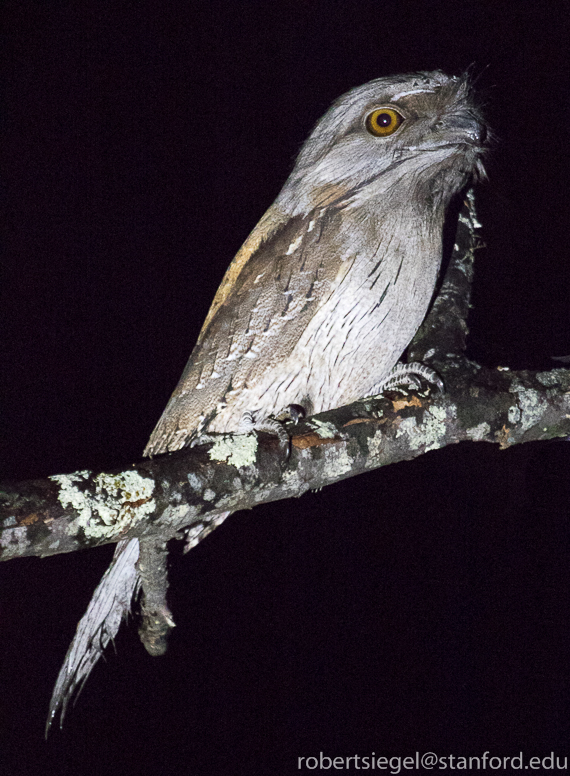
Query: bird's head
<point x="415" y="135"/>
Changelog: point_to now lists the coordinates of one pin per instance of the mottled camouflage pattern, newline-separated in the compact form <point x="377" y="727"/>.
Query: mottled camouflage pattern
<point x="331" y="286"/>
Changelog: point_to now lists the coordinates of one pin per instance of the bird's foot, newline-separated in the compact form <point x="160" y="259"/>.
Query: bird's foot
<point x="408" y="374"/>
<point x="274" y="424"/>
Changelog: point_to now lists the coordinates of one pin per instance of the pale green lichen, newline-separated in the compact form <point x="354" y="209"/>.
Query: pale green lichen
<point x="324" y="430"/>
<point x="479" y="433"/>
<point x="238" y="450"/>
<point x="177" y="515"/>
<point x="407" y="427"/>
<point x="434" y="427"/>
<point x="338" y="462"/>
<point x="376" y="446"/>
<point x="427" y="435"/>
<point x="194" y="481"/>
<point x="514" y="414"/>
<point x="120" y="501"/>
<point x="15" y="536"/>
<point x="552" y="378"/>
<point x="531" y="405"/>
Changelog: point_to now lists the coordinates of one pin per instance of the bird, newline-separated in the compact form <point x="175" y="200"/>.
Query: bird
<point x="317" y="307"/>
<point x="315" y="310"/>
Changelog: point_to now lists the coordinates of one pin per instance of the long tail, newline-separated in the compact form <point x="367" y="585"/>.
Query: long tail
<point x="110" y="604"/>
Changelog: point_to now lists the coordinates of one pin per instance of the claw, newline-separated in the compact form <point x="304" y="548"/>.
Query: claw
<point x="409" y="374"/>
<point x="249" y="422"/>
<point x="296" y="412"/>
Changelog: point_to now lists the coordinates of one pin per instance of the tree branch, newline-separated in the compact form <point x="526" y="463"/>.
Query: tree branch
<point x="184" y="494"/>
<point x="166" y="496"/>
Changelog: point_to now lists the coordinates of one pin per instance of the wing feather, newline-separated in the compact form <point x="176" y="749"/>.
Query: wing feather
<point x="255" y="322"/>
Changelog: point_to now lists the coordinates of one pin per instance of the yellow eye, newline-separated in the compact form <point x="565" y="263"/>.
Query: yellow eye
<point x="383" y="122"/>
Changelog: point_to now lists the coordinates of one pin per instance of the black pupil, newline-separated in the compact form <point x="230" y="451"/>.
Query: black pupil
<point x="384" y="119"/>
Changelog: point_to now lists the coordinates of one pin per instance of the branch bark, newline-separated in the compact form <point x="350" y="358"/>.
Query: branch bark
<point x="183" y="494"/>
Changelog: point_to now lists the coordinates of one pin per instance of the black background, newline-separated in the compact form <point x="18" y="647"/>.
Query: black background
<point x="420" y="607"/>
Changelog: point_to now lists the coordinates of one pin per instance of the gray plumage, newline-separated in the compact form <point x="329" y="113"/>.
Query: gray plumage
<point x="317" y="306"/>
<point x="109" y="606"/>
<point x="333" y="283"/>
<point x="137" y="566"/>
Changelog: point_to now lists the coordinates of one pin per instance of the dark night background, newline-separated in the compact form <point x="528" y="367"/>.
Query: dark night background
<point x="420" y="607"/>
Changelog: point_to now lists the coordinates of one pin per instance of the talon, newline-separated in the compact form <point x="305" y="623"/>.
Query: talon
<point x="250" y="422"/>
<point x="408" y="374"/>
<point x="202" y="439"/>
<point x="273" y="426"/>
<point x="296" y="412"/>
